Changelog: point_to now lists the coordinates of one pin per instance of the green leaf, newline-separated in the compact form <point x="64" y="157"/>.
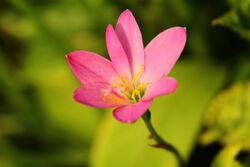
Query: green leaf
<point x="227" y="118"/>
<point x="237" y="19"/>
<point x="226" y="157"/>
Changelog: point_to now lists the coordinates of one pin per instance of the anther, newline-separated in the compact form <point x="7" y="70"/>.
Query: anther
<point x="136" y="92"/>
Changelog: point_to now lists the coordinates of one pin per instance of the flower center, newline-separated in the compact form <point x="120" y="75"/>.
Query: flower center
<point x="134" y="90"/>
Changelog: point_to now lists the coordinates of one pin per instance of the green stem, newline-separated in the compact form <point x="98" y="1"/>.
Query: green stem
<point x="160" y="142"/>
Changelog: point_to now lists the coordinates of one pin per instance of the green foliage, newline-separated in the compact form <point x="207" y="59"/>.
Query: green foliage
<point x="237" y="19"/>
<point x="227" y="121"/>
<point x="226" y="157"/>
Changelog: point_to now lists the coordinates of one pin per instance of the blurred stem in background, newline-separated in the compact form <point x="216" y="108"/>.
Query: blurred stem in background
<point x="161" y="143"/>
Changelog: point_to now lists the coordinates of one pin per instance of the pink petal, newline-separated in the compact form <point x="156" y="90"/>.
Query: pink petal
<point x="98" y="95"/>
<point x="89" y="67"/>
<point x="162" y="53"/>
<point x="131" y="113"/>
<point x="117" y="53"/>
<point x="129" y="34"/>
<point x="161" y="87"/>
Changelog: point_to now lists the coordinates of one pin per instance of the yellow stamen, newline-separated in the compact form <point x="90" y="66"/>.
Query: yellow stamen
<point x="133" y="95"/>
<point x="137" y="92"/>
<point x="137" y="76"/>
<point x="134" y="90"/>
<point x="118" y="85"/>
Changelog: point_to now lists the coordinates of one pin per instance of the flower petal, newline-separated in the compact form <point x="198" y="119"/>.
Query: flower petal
<point x="162" y="53"/>
<point x="89" y="67"/>
<point x="131" y="113"/>
<point x="130" y="37"/>
<point x="163" y="86"/>
<point x="98" y="95"/>
<point x="116" y="53"/>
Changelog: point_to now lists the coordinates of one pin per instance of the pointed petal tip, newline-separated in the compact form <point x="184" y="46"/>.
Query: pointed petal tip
<point x="70" y="55"/>
<point x="74" y="97"/>
<point x="178" y="28"/>
<point x="69" y="58"/>
<point x="109" y="30"/>
<point x="127" y="11"/>
<point x="109" y="26"/>
<point x="184" y="29"/>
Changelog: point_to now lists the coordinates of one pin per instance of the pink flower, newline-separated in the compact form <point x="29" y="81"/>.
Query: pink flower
<point x="134" y="76"/>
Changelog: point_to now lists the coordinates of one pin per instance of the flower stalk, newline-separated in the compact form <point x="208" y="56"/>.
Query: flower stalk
<point x="160" y="142"/>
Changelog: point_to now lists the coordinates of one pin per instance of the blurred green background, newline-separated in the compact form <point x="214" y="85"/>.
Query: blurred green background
<point x="207" y="119"/>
